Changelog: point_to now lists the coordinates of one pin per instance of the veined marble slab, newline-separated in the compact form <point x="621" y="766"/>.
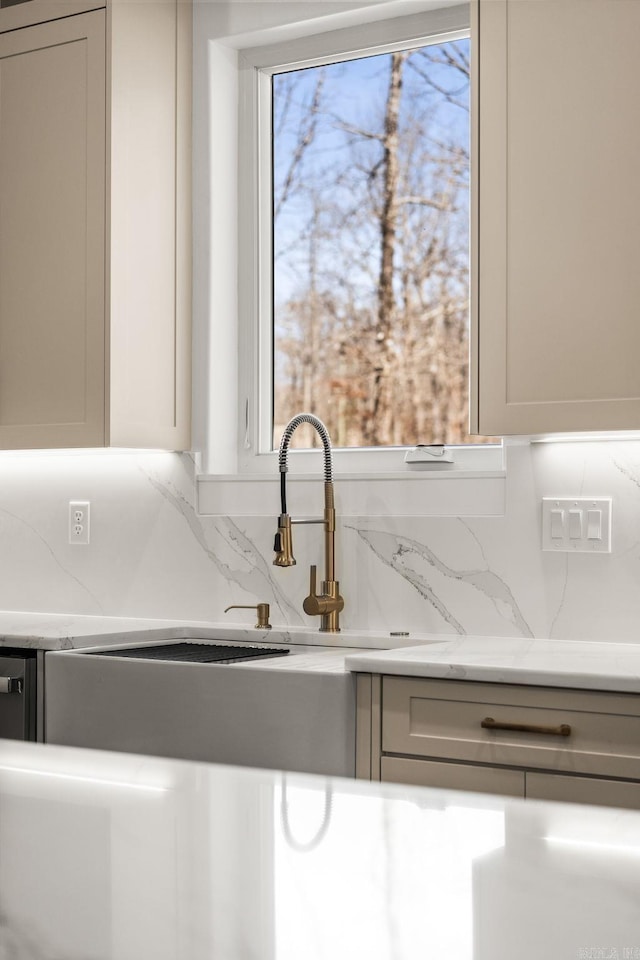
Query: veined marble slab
<point x="116" y="857"/>
<point x="51" y="631"/>
<point x="551" y="663"/>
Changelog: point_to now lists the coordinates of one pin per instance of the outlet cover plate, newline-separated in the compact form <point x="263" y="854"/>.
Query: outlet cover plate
<point x="79" y="518"/>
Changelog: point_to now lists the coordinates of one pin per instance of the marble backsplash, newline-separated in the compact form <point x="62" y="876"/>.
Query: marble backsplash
<point x="152" y="555"/>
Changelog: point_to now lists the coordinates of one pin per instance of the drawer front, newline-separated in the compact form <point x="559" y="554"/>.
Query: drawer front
<point x="605" y="793"/>
<point x="453" y="776"/>
<point x="438" y="719"/>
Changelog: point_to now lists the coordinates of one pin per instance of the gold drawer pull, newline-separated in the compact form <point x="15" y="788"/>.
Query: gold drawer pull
<point x="562" y="730"/>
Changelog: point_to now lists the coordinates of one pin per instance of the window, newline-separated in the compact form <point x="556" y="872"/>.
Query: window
<point x="360" y="313"/>
<point x="370" y="188"/>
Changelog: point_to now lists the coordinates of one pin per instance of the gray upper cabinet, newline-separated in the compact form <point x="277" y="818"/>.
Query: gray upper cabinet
<point x="94" y="224"/>
<point x="556" y="216"/>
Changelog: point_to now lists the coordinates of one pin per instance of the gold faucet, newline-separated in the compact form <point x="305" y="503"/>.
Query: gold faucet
<point x="263" y="613"/>
<point x="328" y="603"/>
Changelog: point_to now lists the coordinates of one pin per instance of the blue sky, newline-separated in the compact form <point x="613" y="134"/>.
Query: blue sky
<point x="354" y="95"/>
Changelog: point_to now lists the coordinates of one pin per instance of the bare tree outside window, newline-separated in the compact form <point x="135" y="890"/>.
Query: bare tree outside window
<point x="371" y="247"/>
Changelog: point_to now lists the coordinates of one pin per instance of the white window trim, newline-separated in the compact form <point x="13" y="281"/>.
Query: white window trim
<point x="255" y="68"/>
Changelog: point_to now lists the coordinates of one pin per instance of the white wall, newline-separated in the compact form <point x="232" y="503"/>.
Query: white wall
<point x="151" y="555"/>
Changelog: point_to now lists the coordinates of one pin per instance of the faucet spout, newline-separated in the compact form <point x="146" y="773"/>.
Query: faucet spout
<point x="328" y="603"/>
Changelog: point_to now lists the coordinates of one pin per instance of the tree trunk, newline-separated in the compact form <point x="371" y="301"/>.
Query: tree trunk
<point x="388" y="231"/>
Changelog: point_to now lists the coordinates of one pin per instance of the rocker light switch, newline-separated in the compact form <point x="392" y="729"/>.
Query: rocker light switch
<point x="557" y="524"/>
<point x="575" y="524"/>
<point x="594" y="524"/>
<point x="578" y="525"/>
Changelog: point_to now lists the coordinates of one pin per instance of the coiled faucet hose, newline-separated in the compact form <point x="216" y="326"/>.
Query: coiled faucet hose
<point x="289" y="430"/>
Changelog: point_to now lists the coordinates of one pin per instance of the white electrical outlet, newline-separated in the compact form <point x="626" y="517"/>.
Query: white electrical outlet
<point x="79" y="513"/>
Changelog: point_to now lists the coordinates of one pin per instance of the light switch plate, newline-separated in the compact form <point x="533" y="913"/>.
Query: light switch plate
<point x="576" y="525"/>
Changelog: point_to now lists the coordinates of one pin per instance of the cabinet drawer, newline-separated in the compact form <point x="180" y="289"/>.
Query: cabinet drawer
<point x="452" y="776"/>
<point x="443" y="719"/>
<point x="604" y="793"/>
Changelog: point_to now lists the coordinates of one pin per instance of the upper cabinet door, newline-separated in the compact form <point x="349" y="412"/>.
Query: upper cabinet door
<point x="149" y="223"/>
<point x="557" y="216"/>
<point x="95" y="230"/>
<point x="52" y="234"/>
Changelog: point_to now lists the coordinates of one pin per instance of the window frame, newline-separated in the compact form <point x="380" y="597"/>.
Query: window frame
<point x="256" y="66"/>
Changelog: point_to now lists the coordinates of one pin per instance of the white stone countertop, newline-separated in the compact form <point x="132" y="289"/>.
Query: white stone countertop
<point x="564" y="663"/>
<point x="52" y="631"/>
<point x="121" y="857"/>
<point x="554" y="663"/>
<point x="55" y="631"/>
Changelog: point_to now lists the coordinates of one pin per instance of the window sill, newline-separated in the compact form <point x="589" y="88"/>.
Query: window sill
<point x="429" y="493"/>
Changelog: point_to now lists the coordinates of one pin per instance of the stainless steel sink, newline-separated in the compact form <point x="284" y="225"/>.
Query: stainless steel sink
<point x="292" y="711"/>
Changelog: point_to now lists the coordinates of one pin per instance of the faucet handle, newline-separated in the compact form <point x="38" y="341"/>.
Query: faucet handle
<point x="263" y="613"/>
<point x="325" y="603"/>
<point x="315" y="605"/>
<point x="311" y="604"/>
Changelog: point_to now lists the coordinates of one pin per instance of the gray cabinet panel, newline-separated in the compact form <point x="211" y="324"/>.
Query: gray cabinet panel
<point x="453" y="776"/>
<point x="557" y="148"/>
<point x="52" y="229"/>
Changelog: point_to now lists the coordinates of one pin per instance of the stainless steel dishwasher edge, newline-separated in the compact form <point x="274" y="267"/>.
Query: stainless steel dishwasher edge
<point x="18" y="698"/>
<point x="254" y="714"/>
